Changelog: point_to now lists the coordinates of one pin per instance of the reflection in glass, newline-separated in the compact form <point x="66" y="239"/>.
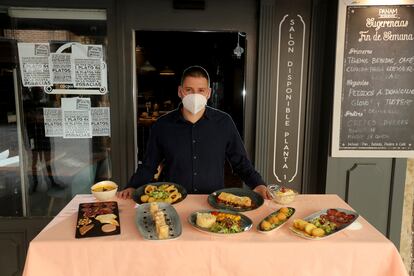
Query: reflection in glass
<point x="10" y="190"/>
<point x="160" y="65"/>
<point x="55" y="168"/>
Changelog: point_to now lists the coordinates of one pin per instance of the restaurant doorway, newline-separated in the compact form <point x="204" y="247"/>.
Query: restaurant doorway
<point x="162" y="56"/>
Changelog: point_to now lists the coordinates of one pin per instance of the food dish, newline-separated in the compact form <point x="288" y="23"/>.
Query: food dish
<point x="256" y="200"/>
<point x="98" y="219"/>
<point x="324" y="223"/>
<point x="205" y="220"/>
<point x="104" y="190"/>
<point x="225" y="223"/>
<point x="160" y="192"/>
<point x="158" y="221"/>
<point x="158" y="217"/>
<point x="238" y="201"/>
<point x="275" y="220"/>
<point x="282" y="195"/>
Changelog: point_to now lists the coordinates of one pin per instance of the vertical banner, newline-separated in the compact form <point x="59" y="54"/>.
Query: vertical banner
<point x="290" y="88"/>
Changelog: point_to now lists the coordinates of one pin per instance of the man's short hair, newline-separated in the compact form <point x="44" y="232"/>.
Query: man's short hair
<point x="196" y="72"/>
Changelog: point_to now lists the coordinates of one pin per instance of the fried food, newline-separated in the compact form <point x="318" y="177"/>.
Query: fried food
<point x="161" y="227"/>
<point x="242" y="201"/>
<point x="153" y="208"/>
<point x="299" y="224"/>
<point x="174" y="196"/>
<point x="273" y="219"/>
<point x="163" y="193"/>
<point x="265" y="225"/>
<point x="144" y="198"/>
<point x="84" y="221"/>
<point x="284" y="210"/>
<point x="318" y="232"/>
<point x="281" y="216"/>
<point x="163" y="232"/>
<point x="309" y="227"/>
<point x="149" y="188"/>
<point x="171" y="189"/>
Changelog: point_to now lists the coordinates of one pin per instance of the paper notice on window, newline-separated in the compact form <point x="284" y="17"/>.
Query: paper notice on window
<point x="60" y="68"/>
<point x="34" y="64"/>
<point x="76" y="103"/>
<point x="76" y="117"/>
<point x="53" y="122"/>
<point x="89" y="68"/>
<point x="101" y="123"/>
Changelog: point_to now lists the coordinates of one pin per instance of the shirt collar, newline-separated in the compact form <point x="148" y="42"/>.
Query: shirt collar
<point x="179" y="115"/>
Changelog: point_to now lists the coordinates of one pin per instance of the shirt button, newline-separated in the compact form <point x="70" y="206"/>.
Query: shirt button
<point x="194" y="141"/>
<point x="195" y="190"/>
<point x="195" y="173"/>
<point x="195" y="157"/>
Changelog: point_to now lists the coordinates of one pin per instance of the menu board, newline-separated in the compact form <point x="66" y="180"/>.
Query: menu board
<point x="374" y="85"/>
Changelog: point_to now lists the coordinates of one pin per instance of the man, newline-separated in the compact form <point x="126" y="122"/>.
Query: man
<point x="193" y="142"/>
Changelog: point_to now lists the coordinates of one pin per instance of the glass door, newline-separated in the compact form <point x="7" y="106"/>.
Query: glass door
<point x="55" y="124"/>
<point x="160" y="63"/>
<point x="10" y="152"/>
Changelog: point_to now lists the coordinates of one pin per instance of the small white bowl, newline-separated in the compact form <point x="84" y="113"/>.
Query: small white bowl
<point x="104" y="190"/>
<point x="282" y="195"/>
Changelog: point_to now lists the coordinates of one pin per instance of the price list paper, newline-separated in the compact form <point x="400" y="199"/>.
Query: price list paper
<point x="34" y="64"/>
<point x="76" y="118"/>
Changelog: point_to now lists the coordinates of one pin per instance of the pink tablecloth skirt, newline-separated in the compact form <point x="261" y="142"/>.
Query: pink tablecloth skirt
<point x="55" y="251"/>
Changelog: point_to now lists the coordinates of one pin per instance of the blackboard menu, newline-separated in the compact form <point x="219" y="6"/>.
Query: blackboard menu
<point x="377" y="87"/>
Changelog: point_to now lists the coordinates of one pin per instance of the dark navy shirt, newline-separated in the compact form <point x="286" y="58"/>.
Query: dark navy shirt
<point x="194" y="154"/>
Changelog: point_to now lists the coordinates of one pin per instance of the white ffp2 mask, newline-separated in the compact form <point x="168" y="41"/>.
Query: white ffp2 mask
<point x="194" y="102"/>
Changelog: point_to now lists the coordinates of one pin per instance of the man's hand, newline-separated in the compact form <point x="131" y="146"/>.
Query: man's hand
<point x="262" y="190"/>
<point x="125" y="194"/>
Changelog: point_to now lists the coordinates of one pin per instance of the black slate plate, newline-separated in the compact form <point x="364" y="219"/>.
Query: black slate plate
<point x="257" y="200"/>
<point x="90" y="211"/>
<point x="136" y="196"/>
<point x="246" y="222"/>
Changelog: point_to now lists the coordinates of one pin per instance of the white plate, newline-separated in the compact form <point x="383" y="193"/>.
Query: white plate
<point x="304" y="235"/>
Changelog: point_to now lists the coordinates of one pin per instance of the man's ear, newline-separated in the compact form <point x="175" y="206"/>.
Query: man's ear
<point x="180" y="92"/>
<point x="208" y="94"/>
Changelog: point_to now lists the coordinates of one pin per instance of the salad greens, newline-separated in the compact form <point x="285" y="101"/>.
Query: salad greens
<point x="326" y="225"/>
